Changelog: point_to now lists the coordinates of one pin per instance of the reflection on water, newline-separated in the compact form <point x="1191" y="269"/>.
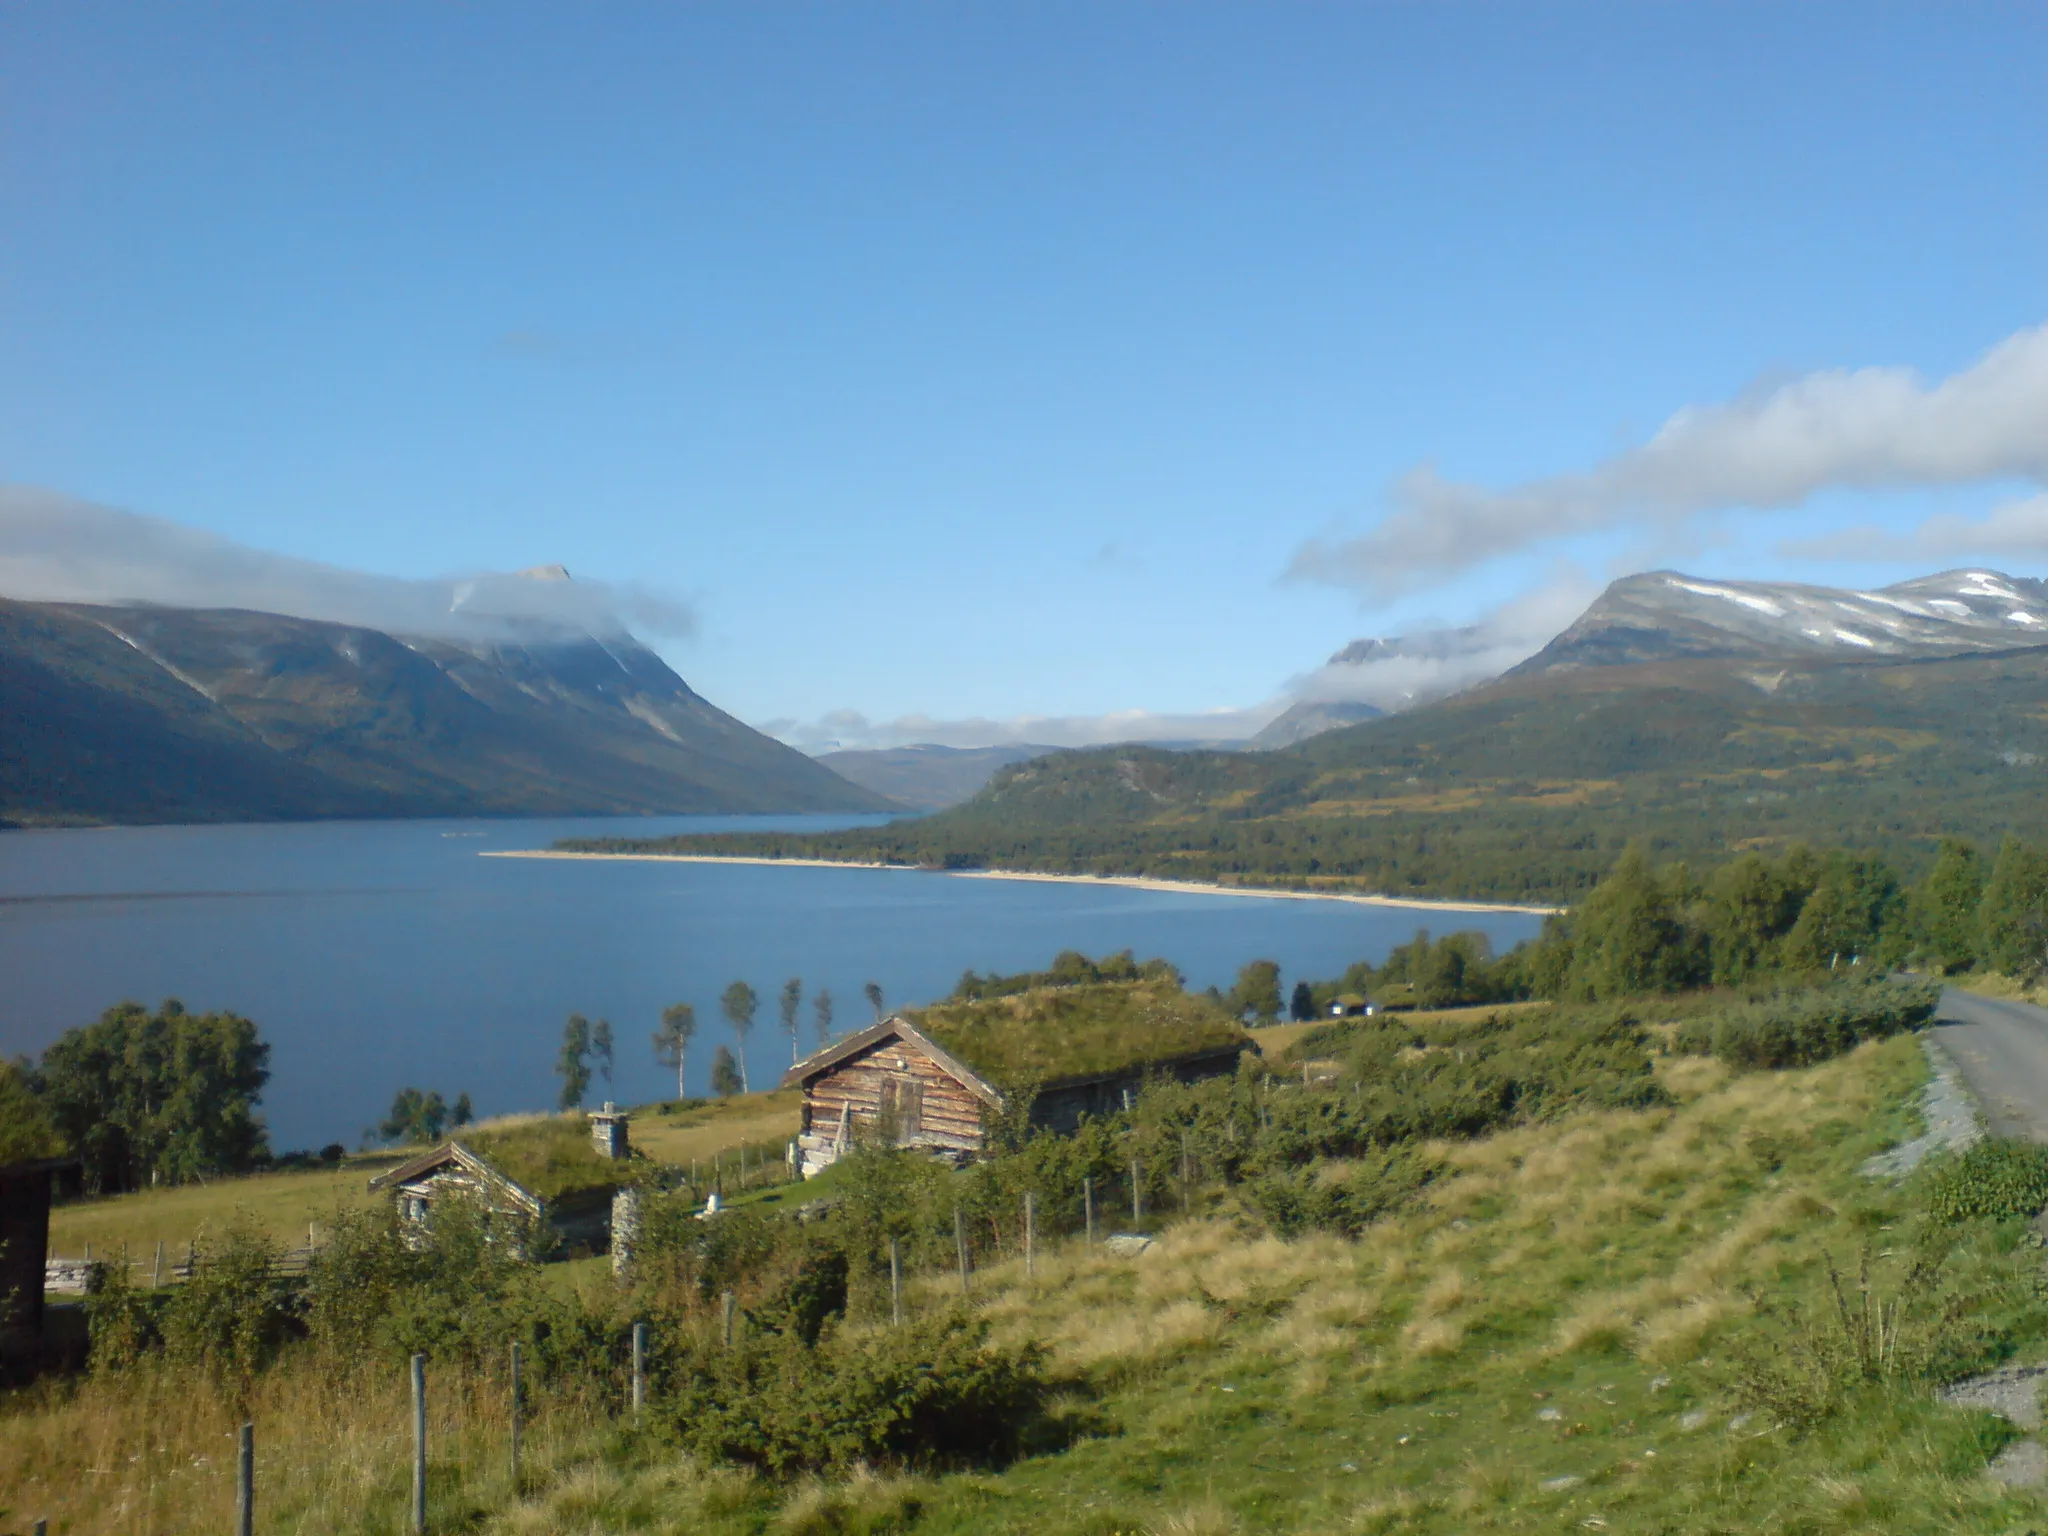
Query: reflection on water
<point x="380" y="954"/>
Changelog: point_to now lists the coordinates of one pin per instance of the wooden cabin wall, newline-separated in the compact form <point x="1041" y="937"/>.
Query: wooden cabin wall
<point x="948" y="1113"/>
<point x="24" y="1246"/>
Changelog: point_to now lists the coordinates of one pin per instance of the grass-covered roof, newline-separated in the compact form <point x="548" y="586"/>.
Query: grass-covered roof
<point x="1053" y="1033"/>
<point x="550" y="1156"/>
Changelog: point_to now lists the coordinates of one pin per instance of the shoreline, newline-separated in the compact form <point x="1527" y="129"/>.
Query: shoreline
<point x="1131" y="882"/>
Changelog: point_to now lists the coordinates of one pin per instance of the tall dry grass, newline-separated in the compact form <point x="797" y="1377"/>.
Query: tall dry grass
<point x="152" y="1449"/>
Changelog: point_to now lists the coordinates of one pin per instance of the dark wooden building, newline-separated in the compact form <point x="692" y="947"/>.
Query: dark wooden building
<point x="893" y="1077"/>
<point x="25" y="1190"/>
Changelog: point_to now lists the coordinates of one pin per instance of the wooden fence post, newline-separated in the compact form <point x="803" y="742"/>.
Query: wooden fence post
<point x="419" y="1445"/>
<point x="156" y="1273"/>
<point x="1030" y="1231"/>
<point x="1137" y="1195"/>
<point x="639" y="1368"/>
<point x="515" y="1421"/>
<point x="730" y="1303"/>
<point x="960" y="1243"/>
<point x="1088" y="1209"/>
<point x="245" y="1483"/>
<point x="895" y="1282"/>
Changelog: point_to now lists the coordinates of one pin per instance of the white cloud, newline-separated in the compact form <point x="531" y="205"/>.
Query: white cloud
<point x="56" y="548"/>
<point x="2014" y="528"/>
<point x="850" y="729"/>
<point x="1393" y="675"/>
<point x="1867" y="428"/>
<point x="1413" y="669"/>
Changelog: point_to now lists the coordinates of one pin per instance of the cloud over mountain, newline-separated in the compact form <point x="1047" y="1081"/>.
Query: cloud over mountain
<point x="1861" y="429"/>
<point x="57" y="548"/>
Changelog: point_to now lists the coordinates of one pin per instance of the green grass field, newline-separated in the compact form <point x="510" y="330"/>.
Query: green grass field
<point x="285" y="1204"/>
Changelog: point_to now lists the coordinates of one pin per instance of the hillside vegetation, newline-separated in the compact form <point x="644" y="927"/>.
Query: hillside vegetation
<point x="1556" y="1328"/>
<point x="1525" y="789"/>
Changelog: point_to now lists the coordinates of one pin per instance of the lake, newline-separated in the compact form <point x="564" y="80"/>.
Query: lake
<point x="376" y="955"/>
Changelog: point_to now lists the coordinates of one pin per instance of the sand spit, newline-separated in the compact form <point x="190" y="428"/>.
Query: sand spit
<point x="1134" y="882"/>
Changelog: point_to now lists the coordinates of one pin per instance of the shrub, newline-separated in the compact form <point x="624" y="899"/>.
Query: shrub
<point x="462" y="1291"/>
<point x="930" y="1394"/>
<point x="1995" y="1180"/>
<point x="1819" y="1356"/>
<point x="123" y="1322"/>
<point x="235" y="1313"/>
<point x="1339" y="1198"/>
<point x="1802" y="1028"/>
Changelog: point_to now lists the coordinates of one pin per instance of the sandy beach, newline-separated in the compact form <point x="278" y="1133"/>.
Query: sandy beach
<point x="1134" y="882"/>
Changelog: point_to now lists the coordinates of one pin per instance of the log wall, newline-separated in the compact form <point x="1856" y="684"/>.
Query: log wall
<point x="944" y="1113"/>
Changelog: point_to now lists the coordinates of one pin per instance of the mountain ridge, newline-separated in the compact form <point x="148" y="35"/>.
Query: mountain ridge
<point x="144" y="713"/>
<point x="1712" y="741"/>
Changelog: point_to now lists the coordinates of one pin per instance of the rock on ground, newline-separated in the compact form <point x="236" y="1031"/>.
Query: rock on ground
<point x="1951" y="1117"/>
<point x="2023" y="1464"/>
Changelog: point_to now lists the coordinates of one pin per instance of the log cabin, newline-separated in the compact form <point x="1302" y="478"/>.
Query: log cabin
<point x="897" y="1079"/>
<point x="533" y="1173"/>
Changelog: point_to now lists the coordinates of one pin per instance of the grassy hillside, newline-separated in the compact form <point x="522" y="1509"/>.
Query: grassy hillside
<point x="1548" y="1343"/>
<point x="1527" y="788"/>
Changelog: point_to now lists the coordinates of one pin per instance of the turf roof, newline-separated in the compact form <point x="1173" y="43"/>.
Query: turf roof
<point x="1054" y="1033"/>
<point x="551" y="1157"/>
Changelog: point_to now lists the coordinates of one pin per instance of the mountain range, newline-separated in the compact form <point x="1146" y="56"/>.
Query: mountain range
<point x="144" y="714"/>
<point x="1706" y="717"/>
<point x="927" y="777"/>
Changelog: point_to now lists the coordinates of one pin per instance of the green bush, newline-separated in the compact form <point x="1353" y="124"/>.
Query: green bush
<point x="1809" y="1360"/>
<point x="1802" y="1028"/>
<point x="1345" y="1198"/>
<point x="1995" y="1179"/>
<point x="236" y="1313"/>
<point x="934" y="1393"/>
<point x="377" y="1292"/>
<point x="124" y="1323"/>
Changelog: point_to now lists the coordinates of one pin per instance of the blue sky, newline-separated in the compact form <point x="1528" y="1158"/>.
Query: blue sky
<point x="981" y="362"/>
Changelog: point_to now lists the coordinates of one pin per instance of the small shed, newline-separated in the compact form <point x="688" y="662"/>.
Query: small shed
<point x="544" y="1171"/>
<point x="934" y="1080"/>
<point x="25" y="1190"/>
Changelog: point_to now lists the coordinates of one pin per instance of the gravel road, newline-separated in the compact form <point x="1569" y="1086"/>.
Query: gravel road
<point x="2001" y="1049"/>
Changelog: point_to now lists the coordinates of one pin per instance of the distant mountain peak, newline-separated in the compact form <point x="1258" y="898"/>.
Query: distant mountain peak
<point x="1430" y="645"/>
<point x="1667" y="616"/>
<point x="545" y="573"/>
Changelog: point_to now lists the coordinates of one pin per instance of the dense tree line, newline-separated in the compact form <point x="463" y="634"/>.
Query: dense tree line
<point x="144" y="1098"/>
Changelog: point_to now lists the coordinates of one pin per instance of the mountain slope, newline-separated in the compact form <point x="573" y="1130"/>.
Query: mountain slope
<point x="927" y="777"/>
<point x="1664" y="616"/>
<point x="1309" y="718"/>
<point x="1527" y="786"/>
<point x="159" y="714"/>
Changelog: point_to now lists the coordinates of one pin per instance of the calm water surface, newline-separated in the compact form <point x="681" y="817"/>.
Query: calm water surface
<point x="379" y="954"/>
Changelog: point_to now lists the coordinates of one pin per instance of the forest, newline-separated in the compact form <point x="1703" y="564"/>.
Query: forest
<point x="1526" y="790"/>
